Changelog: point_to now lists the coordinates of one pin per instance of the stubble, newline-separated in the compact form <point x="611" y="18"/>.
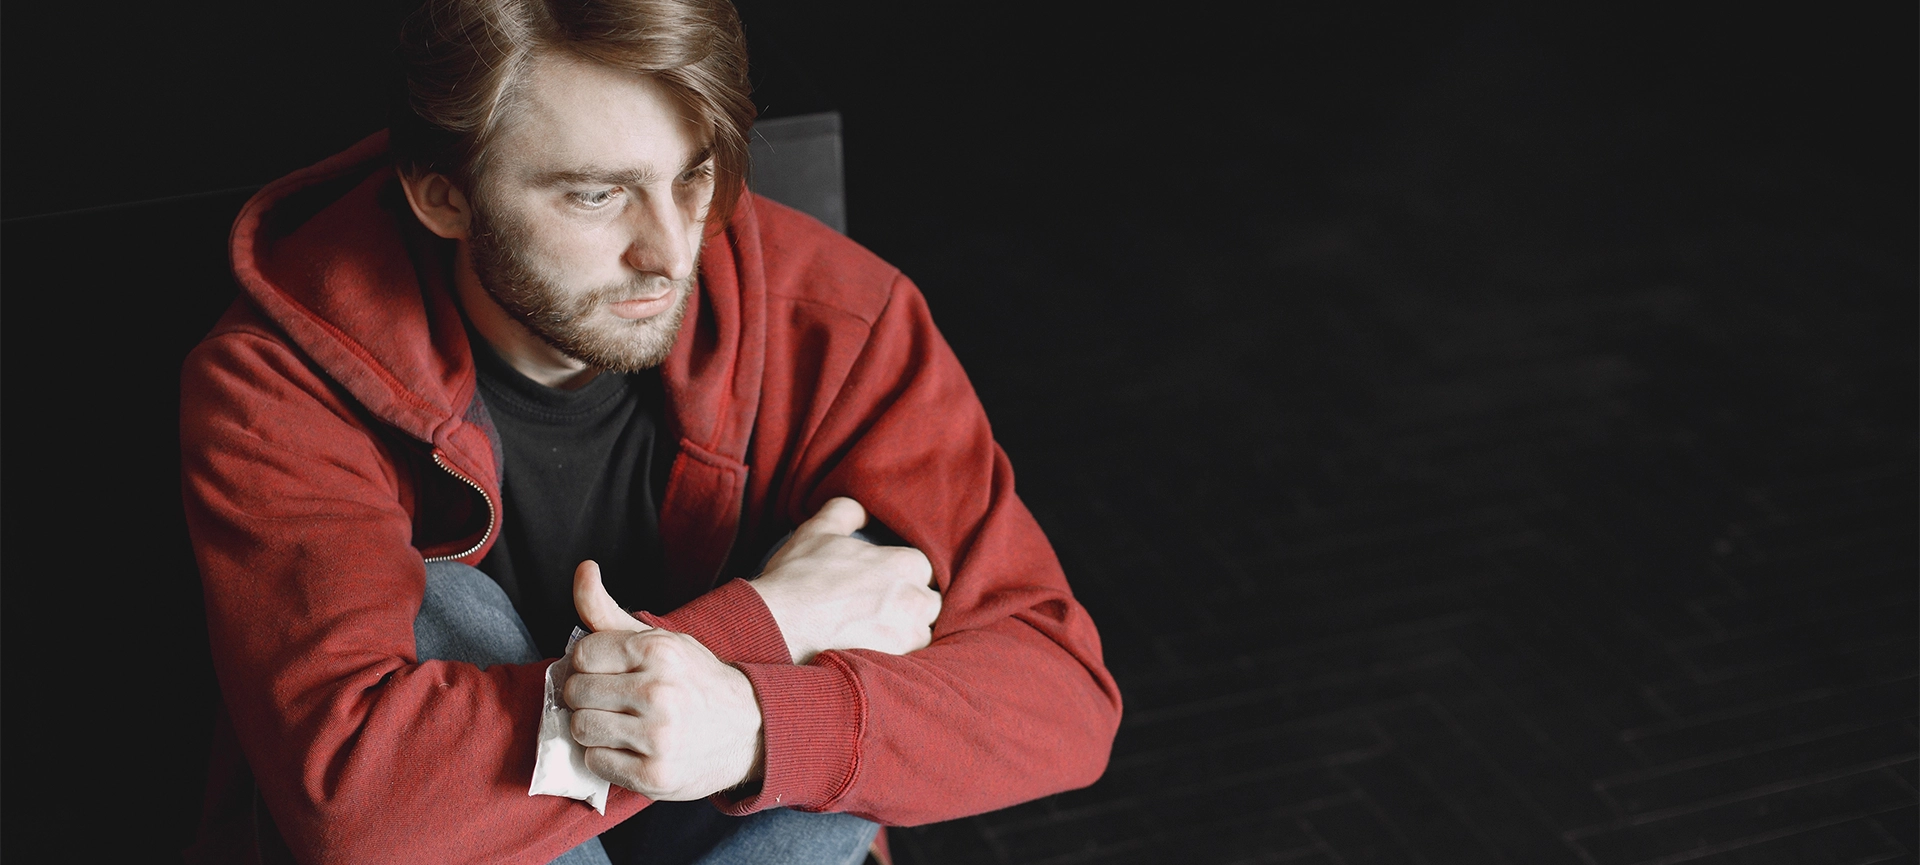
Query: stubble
<point x="573" y="321"/>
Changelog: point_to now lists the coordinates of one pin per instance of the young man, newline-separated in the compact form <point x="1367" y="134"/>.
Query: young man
<point x="542" y="331"/>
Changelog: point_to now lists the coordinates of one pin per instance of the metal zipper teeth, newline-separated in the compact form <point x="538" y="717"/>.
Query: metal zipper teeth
<point x="484" y="537"/>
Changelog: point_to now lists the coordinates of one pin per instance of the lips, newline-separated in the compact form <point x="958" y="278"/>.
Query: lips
<point x="634" y="310"/>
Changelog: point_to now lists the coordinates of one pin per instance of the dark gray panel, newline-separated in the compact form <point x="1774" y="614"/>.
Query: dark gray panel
<point x="796" y="161"/>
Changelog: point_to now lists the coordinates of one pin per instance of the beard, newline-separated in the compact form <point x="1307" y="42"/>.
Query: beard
<point x="570" y="320"/>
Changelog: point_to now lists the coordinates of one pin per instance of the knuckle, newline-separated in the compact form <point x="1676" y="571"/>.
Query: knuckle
<point x="587" y="726"/>
<point x="652" y="647"/>
<point x="590" y="655"/>
<point x="662" y="696"/>
<point x="914" y="563"/>
<point x="664" y="650"/>
<point x="650" y="693"/>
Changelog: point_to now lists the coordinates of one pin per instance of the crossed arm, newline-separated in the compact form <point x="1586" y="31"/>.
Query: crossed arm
<point x="305" y="534"/>
<point x="662" y="716"/>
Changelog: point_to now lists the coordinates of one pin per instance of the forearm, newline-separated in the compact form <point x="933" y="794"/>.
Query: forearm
<point x="731" y="621"/>
<point x="360" y="750"/>
<point x="1010" y="702"/>
<point x="978" y="721"/>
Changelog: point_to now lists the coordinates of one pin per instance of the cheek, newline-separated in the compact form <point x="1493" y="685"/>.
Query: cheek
<point x="582" y="251"/>
<point x="555" y="243"/>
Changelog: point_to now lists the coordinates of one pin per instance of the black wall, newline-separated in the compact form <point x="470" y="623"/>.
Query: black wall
<point x="1054" y="176"/>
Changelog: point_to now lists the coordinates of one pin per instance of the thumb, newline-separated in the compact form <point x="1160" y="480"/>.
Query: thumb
<point x="597" y="608"/>
<point x="839" y="516"/>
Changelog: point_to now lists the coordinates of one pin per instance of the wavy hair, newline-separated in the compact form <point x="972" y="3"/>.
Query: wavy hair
<point x="461" y="62"/>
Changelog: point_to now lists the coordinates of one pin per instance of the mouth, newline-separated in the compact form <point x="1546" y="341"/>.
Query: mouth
<point x="646" y="307"/>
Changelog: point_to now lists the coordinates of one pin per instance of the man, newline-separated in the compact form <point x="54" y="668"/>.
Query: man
<point x="542" y="330"/>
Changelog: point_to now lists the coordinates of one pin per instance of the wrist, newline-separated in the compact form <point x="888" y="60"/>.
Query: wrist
<point x="755" y="773"/>
<point x="786" y="615"/>
<point x="813" y="720"/>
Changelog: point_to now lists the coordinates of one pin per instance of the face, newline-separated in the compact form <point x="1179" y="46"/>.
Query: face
<point x="588" y="220"/>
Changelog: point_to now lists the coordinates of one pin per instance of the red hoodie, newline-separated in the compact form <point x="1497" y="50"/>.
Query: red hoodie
<point x="332" y="440"/>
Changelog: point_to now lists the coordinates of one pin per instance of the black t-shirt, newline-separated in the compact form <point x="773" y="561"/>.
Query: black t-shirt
<point x="584" y="472"/>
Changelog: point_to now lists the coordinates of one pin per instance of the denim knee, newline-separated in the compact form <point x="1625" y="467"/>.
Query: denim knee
<point x="465" y="616"/>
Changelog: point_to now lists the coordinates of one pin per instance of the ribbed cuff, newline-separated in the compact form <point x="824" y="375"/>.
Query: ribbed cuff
<point x="812" y="718"/>
<point x="732" y="622"/>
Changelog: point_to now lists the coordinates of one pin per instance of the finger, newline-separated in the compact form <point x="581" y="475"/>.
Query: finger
<point x="917" y="563"/>
<point x="839" y="516"/>
<point x="624" y="768"/>
<point x="597" y="608"/>
<point x="627" y="652"/>
<point x="601" y="728"/>
<point x="930" y="606"/>
<point x="605" y="652"/>
<point x="607" y="692"/>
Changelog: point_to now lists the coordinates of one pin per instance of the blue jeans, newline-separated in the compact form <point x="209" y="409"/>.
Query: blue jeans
<point x="466" y="617"/>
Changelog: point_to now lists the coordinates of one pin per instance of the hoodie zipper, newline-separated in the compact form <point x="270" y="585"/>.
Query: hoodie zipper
<point x="485" y="536"/>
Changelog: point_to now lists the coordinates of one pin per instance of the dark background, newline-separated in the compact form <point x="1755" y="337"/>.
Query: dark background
<point x="1483" y="434"/>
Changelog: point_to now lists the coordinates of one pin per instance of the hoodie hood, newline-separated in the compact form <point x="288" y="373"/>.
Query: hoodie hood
<point x="333" y="256"/>
<point x="325" y="254"/>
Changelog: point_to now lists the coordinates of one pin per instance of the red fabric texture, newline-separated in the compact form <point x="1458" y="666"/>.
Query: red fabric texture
<point x="331" y="440"/>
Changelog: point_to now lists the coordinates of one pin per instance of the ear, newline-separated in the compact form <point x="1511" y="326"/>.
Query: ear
<point x="439" y="204"/>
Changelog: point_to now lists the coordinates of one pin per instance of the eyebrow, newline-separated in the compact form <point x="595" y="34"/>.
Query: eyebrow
<point x="588" y="175"/>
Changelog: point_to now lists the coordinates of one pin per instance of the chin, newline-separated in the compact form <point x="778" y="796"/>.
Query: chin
<point x="621" y="345"/>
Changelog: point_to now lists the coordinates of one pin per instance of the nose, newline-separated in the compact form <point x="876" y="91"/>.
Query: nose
<point x="662" y="238"/>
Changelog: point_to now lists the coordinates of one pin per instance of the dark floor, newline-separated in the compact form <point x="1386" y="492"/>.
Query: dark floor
<point x="1457" y="550"/>
<point x="1480" y="438"/>
<point x="1537" y="486"/>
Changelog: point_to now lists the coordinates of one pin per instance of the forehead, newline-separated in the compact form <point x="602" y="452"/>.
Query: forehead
<point x="571" y="115"/>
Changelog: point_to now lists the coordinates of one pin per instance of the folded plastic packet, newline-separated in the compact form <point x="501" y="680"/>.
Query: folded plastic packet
<point x="560" y="763"/>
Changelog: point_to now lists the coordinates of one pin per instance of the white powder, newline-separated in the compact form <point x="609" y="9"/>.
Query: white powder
<point x="560" y="763"/>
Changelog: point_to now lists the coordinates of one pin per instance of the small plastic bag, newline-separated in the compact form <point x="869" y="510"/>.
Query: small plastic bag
<point x="560" y="763"/>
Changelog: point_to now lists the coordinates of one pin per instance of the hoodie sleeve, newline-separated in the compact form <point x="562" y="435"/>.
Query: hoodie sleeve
<point x="362" y="752"/>
<point x="1011" y="701"/>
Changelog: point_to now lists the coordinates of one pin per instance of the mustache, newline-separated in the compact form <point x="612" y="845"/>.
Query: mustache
<point x="639" y="288"/>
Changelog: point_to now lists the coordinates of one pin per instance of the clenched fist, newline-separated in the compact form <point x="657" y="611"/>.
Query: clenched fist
<point x="661" y="716"/>
<point x="830" y="591"/>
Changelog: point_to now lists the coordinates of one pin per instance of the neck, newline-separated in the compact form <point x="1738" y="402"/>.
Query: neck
<point x="521" y="348"/>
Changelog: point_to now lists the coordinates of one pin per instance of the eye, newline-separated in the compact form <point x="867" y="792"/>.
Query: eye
<point x="594" y="199"/>
<point x="698" y="173"/>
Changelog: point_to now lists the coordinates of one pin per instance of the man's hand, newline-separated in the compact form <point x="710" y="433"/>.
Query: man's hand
<point x="830" y="591"/>
<point x="598" y="610"/>
<point x="661" y="716"/>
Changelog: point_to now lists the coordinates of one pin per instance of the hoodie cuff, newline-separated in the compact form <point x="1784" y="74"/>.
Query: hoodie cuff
<point x="732" y="622"/>
<point x="811" y="718"/>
